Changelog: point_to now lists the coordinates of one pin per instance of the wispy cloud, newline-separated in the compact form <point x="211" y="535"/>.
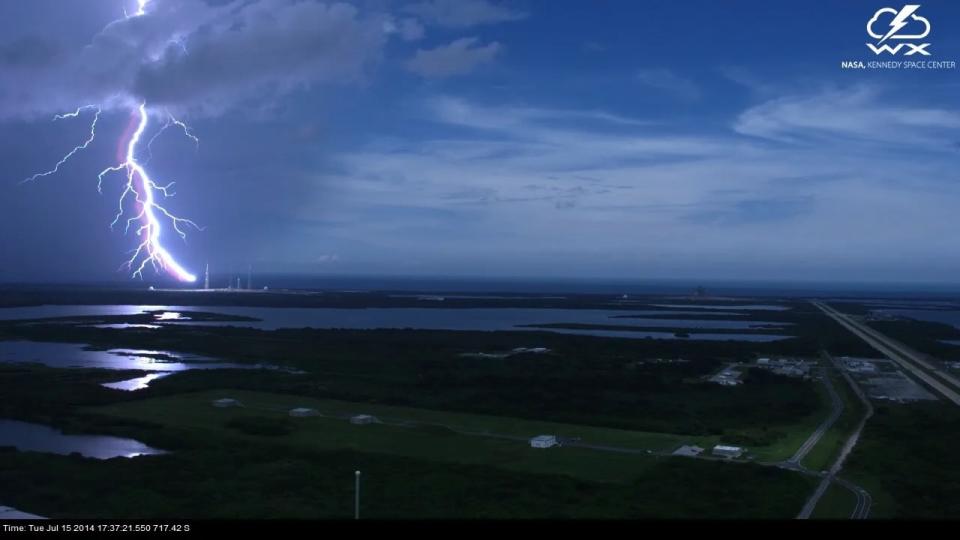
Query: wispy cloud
<point x="464" y="13"/>
<point x="855" y="114"/>
<point x="572" y="182"/>
<point x="457" y="58"/>
<point x="668" y="82"/>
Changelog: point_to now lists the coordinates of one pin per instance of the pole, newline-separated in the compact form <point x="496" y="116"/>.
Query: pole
<point x="356" y="502"/>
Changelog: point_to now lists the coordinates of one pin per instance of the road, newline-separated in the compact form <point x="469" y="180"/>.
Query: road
<point x="943" y="383"/>
<point x="837" y="410"/>
<point x="864" y="501"/>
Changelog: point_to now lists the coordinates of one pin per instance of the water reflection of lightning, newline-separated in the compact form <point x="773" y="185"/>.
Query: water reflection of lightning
<point x="140" y="190"/>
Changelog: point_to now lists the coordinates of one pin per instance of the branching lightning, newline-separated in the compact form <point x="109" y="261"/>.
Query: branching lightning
<point x="171" y="121"/>
<point x="144" y="191"/>
<point x="79" y="147"/>
<point x="140" y="190"/>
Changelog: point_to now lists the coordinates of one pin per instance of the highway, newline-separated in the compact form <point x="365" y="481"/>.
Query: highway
<point x="943" y="383"/>
<point x="836" y="412"/>
<point x="864" y="501"/>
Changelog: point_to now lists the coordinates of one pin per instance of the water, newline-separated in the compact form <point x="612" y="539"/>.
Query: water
<point x="750" y="307"/>
<point x="899" y="303"/>
<point x="486" y="319"/>
<point x="46" y="312"/>
<point x="669" y="313"/>
<point x="28" y="437"/>
<point x="693" y="336"/>
<point x="423" y="318"/>
<point x="73" y="355"/>
<point x="941" y="316"/>
<point x="139" y="383"/>
<point x="125" y="326"/>
<point x="474" y="319"/>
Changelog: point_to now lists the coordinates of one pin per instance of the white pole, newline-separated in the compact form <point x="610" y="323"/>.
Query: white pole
<point x="356" y="503"/>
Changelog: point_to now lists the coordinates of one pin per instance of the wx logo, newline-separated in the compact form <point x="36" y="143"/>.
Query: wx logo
<point x="902" y="24"/>
<point x="913" y="49"/>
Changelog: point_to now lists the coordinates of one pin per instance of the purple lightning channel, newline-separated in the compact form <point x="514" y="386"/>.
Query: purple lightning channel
<point x="144" y="191"/>
<point x="140" y="190"/>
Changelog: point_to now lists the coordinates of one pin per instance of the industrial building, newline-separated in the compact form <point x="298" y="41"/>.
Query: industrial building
<point x="226" y="402"/>
<point x="688" y="451"/>
<point x="787" y="367"/>
<point x="729" y="452"/>
<point x="531" y="350"/>
<point x="544" y="441"/>
<point x="859" y="365"/>
<point x="730" y="376"/>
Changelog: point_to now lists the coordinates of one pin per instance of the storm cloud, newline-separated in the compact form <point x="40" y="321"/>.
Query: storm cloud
<point x="194" y="56"/>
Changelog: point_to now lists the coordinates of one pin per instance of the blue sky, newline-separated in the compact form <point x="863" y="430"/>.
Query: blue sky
<point x="618" y="139"/>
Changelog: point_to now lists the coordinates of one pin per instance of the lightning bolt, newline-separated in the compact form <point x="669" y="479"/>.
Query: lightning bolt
<point x="186" y="130"/>
<point x="79" y="147"/>
<point x="899" y="21"/>
<point x="171" y="121"/>
<point x="140" y="190"/>
<point x="144" y="192"/>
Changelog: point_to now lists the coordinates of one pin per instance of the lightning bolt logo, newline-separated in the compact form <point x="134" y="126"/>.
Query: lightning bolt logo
<point x="140" y="191"/>
<point x="900" y="21"/>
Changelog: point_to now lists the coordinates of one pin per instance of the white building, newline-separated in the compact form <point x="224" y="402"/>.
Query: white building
<point x="688" y="451"/>
<point x="544" y="441"/>
<point x="727" y="451"/>
<point x="226" y="402"/>
<point x="730" y="376"/>
<point x="302" y="412"/>
<point x="362" y="419"/>
<point x="530" y="350"/>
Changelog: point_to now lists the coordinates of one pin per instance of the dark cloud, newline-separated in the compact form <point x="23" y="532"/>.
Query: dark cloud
<point x="268" y="47"/>
<point x="30" y="52"/>
<point x="190" y="54"/>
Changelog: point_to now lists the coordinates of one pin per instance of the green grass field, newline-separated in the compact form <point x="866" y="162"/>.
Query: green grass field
<point x="791" y="439"/>
<point x="256" y="460"/>
<point x="259" y="462"/>
<point x="195" y="412"/>
<point x="822" y="456"/>
<point x="837" y="503"/>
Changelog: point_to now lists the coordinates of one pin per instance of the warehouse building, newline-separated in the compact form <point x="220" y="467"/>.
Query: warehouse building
<point x="544" y="441"/>
<point x="226" y="403"/>
<point x="729" y="452"/>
